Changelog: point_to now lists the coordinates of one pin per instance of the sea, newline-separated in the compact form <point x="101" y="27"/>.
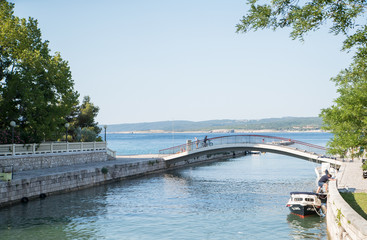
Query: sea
<point x="239" y="198"/>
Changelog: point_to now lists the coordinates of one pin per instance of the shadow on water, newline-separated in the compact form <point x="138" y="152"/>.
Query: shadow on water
<point x="54" y="217"/>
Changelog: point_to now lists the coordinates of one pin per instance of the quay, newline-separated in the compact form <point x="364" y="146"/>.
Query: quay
<point x="39" y="183"/>
<point x="43" y="174"/>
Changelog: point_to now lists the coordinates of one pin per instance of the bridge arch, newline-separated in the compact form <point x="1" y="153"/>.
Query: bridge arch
<point x="262" y="143"/>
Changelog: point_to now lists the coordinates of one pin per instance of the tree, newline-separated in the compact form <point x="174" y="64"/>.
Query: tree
<point x="85" y="120"/>
<point x="347" y="118"/>
<point x="88" y="135"/>
<point x="36" y="88"/>
<point x="304" y="16"/>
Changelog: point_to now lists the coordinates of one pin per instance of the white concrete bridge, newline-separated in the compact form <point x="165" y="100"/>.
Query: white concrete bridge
<point x="260" y="143"/>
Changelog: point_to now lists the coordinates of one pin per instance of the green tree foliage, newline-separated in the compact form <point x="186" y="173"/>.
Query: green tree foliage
<point x="87" y="114"/>
<point x="347" y="118"/>
<point x="36" y="88"/>
<point x="343" y="17"/>
<point x="88" y="134"/>
<point x="84" y="125"/>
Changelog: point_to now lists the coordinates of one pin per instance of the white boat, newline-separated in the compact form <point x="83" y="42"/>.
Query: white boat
<point x="304" y="204"/>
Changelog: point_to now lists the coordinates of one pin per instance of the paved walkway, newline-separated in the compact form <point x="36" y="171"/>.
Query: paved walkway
<point x="65" y="169"/>
<point x="350" y="177"/>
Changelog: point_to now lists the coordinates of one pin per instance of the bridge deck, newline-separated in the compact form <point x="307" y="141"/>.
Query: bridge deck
<point x="261" y="143"/>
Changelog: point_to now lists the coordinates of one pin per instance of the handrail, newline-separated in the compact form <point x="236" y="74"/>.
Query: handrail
<point x="111" y="153"/>
<point x="54" y="147"/>
<point x="241" y="139"/>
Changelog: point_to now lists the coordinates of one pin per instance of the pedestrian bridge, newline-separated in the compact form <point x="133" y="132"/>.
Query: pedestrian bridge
<point x="249" y="143"/>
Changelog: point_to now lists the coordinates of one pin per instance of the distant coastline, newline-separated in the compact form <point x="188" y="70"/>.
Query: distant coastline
<point x="219" y="131"/>
<point x="285" y="124"/>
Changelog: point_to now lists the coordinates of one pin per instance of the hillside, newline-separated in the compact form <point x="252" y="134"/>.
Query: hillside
<point x="279" y="124"/>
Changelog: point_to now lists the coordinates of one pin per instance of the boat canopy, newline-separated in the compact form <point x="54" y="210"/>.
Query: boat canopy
<point x="308" y="193"/>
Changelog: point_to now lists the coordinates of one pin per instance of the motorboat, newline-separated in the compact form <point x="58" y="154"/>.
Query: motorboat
<point x="304" y="204"/>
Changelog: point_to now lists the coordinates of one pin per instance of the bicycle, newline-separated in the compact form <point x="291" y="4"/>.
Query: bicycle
<point x="206" y="144"/>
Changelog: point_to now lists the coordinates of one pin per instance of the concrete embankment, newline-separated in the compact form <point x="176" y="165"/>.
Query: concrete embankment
<point x="342" y="221"/>
<point x="81" y="171"/>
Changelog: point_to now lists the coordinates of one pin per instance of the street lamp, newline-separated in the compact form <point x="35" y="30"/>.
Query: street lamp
<point x="105" y="127"/>
<point x="67" y="126"/>
<point x="12" y="124"/>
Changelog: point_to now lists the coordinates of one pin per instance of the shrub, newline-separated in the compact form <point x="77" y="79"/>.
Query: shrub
<point x="88" y="135"/>
<point x="104" y="170"/>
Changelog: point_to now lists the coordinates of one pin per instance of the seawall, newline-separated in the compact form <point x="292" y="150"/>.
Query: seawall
<point x="343" y="222"/>
<point x="41" y="182"/>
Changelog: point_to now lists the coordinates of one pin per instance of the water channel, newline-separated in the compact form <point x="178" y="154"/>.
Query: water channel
<point x="242" y="198"/>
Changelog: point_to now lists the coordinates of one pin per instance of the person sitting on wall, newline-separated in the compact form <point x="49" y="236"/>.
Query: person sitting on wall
<point x="323" y="181"/>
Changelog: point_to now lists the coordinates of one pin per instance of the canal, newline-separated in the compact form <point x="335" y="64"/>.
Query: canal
<point x="242" y="198"/>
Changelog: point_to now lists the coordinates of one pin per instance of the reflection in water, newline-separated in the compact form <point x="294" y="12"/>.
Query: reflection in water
<point x="175" y="186"/>
<point x="311" y="227"/>
<point x="56" y="217"/>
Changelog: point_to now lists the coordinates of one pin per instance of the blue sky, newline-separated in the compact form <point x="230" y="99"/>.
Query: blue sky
<point x="144" y="61"/>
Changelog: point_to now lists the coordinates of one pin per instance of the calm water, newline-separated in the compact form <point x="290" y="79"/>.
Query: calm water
<point x="241" y="198"/>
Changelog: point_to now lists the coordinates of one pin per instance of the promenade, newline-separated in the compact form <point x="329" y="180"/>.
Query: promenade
<point x="350" y="177"/>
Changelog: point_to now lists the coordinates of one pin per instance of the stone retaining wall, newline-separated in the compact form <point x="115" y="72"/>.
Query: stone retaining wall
<point x="39" y="186"/>
<point x="342" y="221"/>
<point x="40" y="161"/>
<point x="27" y="189"/>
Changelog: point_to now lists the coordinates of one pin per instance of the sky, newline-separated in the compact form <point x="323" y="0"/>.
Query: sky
<point x="146" y="61"/>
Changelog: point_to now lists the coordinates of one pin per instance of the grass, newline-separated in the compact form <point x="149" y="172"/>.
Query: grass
<point x="358" y="201"/>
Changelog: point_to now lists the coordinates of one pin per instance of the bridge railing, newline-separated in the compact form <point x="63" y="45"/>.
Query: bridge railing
<point x="54" y="147"/>
<point x="244" y="139"/>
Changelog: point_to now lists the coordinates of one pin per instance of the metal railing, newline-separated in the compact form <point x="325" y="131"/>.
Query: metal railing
<point x="245" y="139"/>
<point x="54" y="147"/>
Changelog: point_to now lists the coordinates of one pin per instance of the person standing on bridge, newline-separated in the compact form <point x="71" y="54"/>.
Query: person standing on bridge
<point x="205" y="140"/>
<point x="323" y="181"/>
